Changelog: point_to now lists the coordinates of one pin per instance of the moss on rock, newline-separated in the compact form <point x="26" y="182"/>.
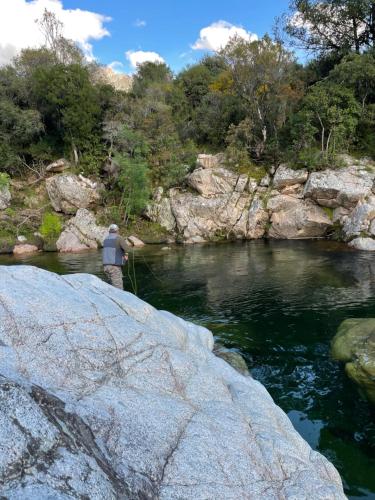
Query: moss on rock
<point x="354" y="344"/>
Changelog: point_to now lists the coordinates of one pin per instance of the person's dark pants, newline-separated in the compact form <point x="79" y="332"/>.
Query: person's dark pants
<point x="114" y="275"/>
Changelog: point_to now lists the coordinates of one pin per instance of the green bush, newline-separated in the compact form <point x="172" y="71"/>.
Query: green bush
<point x="4" y="180"/>
<point x="51" y="226"/>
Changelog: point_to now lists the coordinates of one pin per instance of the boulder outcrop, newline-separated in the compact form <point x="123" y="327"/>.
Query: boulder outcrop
<point x="5" y="198"/>
<point x="354" y="344"/>
<point x="342" y="187"/>
<point x="105" y="397"/>
<point x="68" y="193"/>
<point x="286" y="176"/>
<point x="285" y="204"/>
<point x="210" y="161"/>
<point x="81" y="233"/>
<point x="58" y="166"/>
<point x="293" y="218"/>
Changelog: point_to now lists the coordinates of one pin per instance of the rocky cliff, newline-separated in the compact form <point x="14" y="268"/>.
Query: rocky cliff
<point x="104" y="397"/>
<point x="290" y="204"/>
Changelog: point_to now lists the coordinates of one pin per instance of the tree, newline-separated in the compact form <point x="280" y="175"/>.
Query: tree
<point x="332" y="25"/>
<point x="330" y="114"/>
<point x="150" y="74"/>
<point x="134" y="184"/>
<point x="263" y="74"/>
<point x="69" y="104"/>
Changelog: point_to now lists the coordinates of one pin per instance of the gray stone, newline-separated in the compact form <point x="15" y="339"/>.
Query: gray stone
<point x="210" y="161"/>
<point x="160" y="211"/>
<point x="118" y="400"/>
<point x="342" y="187"/>
<point x="298" y="220"/>
<point x="58" y="166"/>
<point x="257" y="220"/>
<point x="286" y="176"/>
<point x="359" y="220"/>
<point x="5" y="198"/>
<point x="68" y="193"/>
<point x="367" y="244"/>
<point x="135" y="242"/>
<point x="81" y="233"/>
<point x="213" y="181"/>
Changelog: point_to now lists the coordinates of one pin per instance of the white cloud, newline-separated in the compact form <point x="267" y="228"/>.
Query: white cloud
<point x="116" y="66"/>
<point x="140" y="23"/>
<point x="19" y="30"/>
<point x="136" y="57"/>
<point x="217" y="35"/>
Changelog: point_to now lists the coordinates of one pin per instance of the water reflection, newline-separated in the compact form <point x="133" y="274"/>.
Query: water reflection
<point x="280" y="303"/>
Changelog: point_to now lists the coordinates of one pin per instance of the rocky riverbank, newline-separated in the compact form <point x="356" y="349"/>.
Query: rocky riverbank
<point x="213" y="204"/>
<point x="286" y="204"/>
<point x="106" y="397"/>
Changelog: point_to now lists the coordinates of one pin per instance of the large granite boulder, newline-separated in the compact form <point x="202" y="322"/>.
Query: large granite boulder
<point x="286" y="176"/>
<point x="360" y="220"/>
<point x="104" y="397"/>
<point x="200" y="219"/>
<point x="293" y="218"/>
<point x="210" y="161"/>
<point x="216" y="181"/>
<point x="354" y="344"/>
<point x="81" y="233"/>
<point x="159" y="210"/>
<point x="68" y="193"/>
<point x="5" y="197"/>
<point x="342" y="187"/>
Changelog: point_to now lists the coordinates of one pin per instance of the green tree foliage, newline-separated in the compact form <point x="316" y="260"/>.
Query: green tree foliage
<point x="51" y="226"/>
<point x="332" y="25"/>
<point x="134" y="184"/>
<point x="263" y="75"/>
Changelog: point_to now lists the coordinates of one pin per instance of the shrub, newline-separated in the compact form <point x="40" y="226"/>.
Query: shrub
<point x="4" y="180"/>
<point x="51" y="226"/>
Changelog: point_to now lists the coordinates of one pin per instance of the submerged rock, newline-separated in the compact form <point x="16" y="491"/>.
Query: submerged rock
<point x="81" y="233"/>
<point x="68" y="193"/>
<point x="367" y="244"/>
<point x="354" y="344"/>
<point x="106" y="397"/>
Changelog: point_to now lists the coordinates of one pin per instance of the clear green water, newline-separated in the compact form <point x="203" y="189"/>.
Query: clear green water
<point x="279" y="303"/>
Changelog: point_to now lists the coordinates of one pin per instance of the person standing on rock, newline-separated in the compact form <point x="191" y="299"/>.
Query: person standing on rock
<point x="114" y="256"/>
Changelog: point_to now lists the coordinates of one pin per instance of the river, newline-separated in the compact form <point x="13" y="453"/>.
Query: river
<point x="279" y="304"/>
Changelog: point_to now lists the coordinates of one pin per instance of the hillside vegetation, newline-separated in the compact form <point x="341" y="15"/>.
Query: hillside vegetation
<point x="253" y="100"/>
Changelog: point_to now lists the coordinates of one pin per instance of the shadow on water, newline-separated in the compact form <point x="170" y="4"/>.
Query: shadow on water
<point x="280" y="304"/>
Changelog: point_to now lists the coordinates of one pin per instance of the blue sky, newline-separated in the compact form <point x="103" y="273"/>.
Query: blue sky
<point x="172" y="26"/>
<point x="124" y="32"/>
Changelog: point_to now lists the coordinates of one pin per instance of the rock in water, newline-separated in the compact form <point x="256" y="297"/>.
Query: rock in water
<point x="81" y="233"/>
<point x="104" y="397"/>
<point x="68" y="193"/>
<point x="354" y="344"/>
<point x="25" y="248"/>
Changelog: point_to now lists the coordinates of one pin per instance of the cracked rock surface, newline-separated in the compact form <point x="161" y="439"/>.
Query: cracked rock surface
<point x="105" y="397"/>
